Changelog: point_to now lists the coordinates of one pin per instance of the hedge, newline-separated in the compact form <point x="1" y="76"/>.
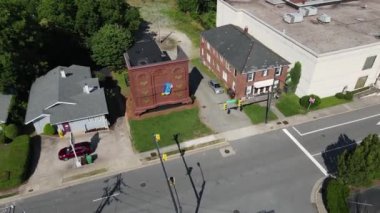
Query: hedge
<point x="304" y="101"/>
<point x="336" y="196"/>
<point x="49" y="129"/>
<point x="11" y="131"/>
<point x="347" y="96"/>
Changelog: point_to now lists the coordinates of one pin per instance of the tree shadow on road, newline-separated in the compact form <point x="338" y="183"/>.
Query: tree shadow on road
<point x="110" y="192"/>
<point x="332" y="152"/>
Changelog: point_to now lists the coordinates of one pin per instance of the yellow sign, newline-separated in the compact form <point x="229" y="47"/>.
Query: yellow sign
<point x="157" y="137"/>
<point x="164" y="157"/>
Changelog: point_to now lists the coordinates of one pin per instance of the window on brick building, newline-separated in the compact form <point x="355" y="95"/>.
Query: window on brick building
<point x="248" y="90"/>
<point x="250" y="76"/>
<point x="217" y="67"/>
<point x="225" y="76"/>
<point x="369" y="62"/>
<point x="208" y="58"/>
<point x="278" y="71"/>
<point x="208" y="45"/>
<point x="265" y="72"/>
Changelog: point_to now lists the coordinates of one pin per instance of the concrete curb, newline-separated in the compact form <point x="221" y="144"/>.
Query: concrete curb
<point x="316" y="196"/>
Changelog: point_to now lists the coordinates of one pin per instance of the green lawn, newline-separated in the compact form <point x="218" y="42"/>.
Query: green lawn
<point x="119" y="77"/>
<point x="198" y="63"/>
<point x="13" y="162"/>
<point x="331" y="101"/>
<point x="185" y="122"/>
<point x="288" y="104"/>
<point x="257" y="113"/>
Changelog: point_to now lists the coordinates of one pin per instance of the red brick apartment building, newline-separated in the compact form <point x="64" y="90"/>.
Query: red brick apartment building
<point x="241" y="62"/>
<point x="155" y="79"/>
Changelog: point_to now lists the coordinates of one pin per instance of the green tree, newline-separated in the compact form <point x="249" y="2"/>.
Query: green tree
<point x="336" y="196"/>
<point x="7" y="75"/>
<point x="295" y="75"/>
<point x="108" y="45"/>
<point x="362" y="165"/>
<point x="11" y="131"/>
<point x="57" y="13"/>
<point x="2" y="137"/>
<point x="87" y="20"/>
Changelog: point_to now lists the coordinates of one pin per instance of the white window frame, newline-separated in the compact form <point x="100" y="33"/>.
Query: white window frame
<point x="202" y="51"/>
<point x="250" y="76"/>
<point x="278" y="71"/>
<point x="208" y="45"/>
<point x="208" y="58"/>
<point x="265" y="72"/>
<point x="233" y="85"/>
<point x="248" y="90"/>
<point x="224" y="76"/>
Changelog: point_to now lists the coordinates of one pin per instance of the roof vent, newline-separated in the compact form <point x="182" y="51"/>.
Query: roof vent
<point x="63" y="73"/>
<point x="293" y="18"/>
<point x="324" y="18"/>
<point x="86" y="89"/>
<point x="308" y="11"/>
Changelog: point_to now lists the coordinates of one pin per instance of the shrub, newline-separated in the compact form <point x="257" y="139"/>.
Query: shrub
<point x="49" y="129"/>
<point x="100" y="76"/>
<point x="11" y="131"/>
<point x="336" y="195"/>
<point x="21" y="139"/>
<point x="2" y="137"/>
<point x="304" y="101"/>
<point x="348" y="96"/>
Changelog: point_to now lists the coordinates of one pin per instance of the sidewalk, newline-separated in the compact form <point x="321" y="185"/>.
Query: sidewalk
<point x="132" y="160"/>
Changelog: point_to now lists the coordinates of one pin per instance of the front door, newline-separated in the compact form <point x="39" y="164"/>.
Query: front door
<point x="66" y="127"/>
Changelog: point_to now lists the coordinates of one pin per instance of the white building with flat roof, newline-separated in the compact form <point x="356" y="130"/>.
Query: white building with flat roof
<point x="343" y="54"/>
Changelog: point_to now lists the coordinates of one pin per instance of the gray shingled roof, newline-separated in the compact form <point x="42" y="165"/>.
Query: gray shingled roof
<point x="5" y="101"/>
<point x="241" y="50"/>
<point x="63" y="98"/>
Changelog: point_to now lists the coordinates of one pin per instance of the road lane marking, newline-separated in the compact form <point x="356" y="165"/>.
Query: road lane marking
<point x="113" y="195"/>
<point x="320" y="167"/>
<point x="336" y="125"/>
<point x="341" y="147"/>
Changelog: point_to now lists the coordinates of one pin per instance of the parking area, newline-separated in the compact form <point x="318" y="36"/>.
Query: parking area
<point x="113" y="151"/>
<point x="211" y="105"/>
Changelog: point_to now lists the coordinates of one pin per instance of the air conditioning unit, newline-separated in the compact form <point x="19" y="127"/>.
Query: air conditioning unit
<point x="293" y="18"/>
<point x="308" y="11"/>
<point x="324" y="18"/>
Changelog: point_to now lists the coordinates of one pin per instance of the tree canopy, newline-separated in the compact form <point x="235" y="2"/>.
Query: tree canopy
<point x="108" y="45"/>
<point x="202" y="10"/>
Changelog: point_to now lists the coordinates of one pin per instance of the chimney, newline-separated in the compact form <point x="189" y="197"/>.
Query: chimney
<point x="245" y="29"/>
<point x="63" y="73"/>
<point x="86" y="89"/>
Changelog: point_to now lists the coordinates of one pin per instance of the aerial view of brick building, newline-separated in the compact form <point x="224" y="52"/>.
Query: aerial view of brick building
<point x="241" y="62"/>
<point x="155" y="79"/>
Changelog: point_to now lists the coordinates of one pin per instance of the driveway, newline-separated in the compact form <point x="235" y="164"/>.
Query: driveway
<point x="211" y="105"/>
<point x="113" y="150"/>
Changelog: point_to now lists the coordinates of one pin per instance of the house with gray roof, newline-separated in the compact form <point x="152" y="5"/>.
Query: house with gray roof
<point x="5" y="102"/>
<point x="69" y="99"/>
<point x="241" y="62"/>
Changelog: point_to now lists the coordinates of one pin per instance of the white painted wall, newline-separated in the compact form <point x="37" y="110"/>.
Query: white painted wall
<point x="81" y="126"/>
<point x="40" y="123"/>
<point x="323" y="75"/>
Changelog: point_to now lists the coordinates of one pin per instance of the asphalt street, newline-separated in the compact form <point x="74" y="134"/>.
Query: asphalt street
<point x="273" y="171"/>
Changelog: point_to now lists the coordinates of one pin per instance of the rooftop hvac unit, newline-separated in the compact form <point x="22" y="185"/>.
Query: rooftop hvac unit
<point x="308" y="11"/>
<point x="324" y="18"/>
<point x="293" y="17"/>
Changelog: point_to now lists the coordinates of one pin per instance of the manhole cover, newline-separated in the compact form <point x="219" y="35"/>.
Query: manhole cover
<point x="143" y="184"/>
<point x="227" y="151"/>
<point x="236" y="211"/>
<point x="285" y="122"/>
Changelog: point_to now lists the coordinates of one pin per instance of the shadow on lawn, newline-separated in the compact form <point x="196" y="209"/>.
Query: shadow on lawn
<point x="34" y="156"/>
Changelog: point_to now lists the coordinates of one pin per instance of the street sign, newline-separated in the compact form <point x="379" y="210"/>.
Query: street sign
<point x="164" y="157"/>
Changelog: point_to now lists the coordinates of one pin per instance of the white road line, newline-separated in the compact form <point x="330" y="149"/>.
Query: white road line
<point x="333" y="126"/>
<point x="320" y="167"/>
<point x="330" y="150"/>
<point x="116" y="194"/>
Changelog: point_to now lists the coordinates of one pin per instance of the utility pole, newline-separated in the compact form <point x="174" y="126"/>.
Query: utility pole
<point x="77" y="162"/>
<point x="156" y="139"/>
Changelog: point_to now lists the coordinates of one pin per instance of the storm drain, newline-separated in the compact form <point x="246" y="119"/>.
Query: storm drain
<point x="142" y="184"/>
<point x="236" y="211"/>
<point x="227" y="151"/>
<point x="285" y="122"/>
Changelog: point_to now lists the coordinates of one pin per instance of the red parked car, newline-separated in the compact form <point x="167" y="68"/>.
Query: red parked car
<point x="81" y="149"/>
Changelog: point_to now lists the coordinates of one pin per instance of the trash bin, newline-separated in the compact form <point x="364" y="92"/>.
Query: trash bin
<point x="89" y="159"/>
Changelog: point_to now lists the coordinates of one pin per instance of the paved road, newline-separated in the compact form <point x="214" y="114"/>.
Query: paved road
<point x="273" y="171"/>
